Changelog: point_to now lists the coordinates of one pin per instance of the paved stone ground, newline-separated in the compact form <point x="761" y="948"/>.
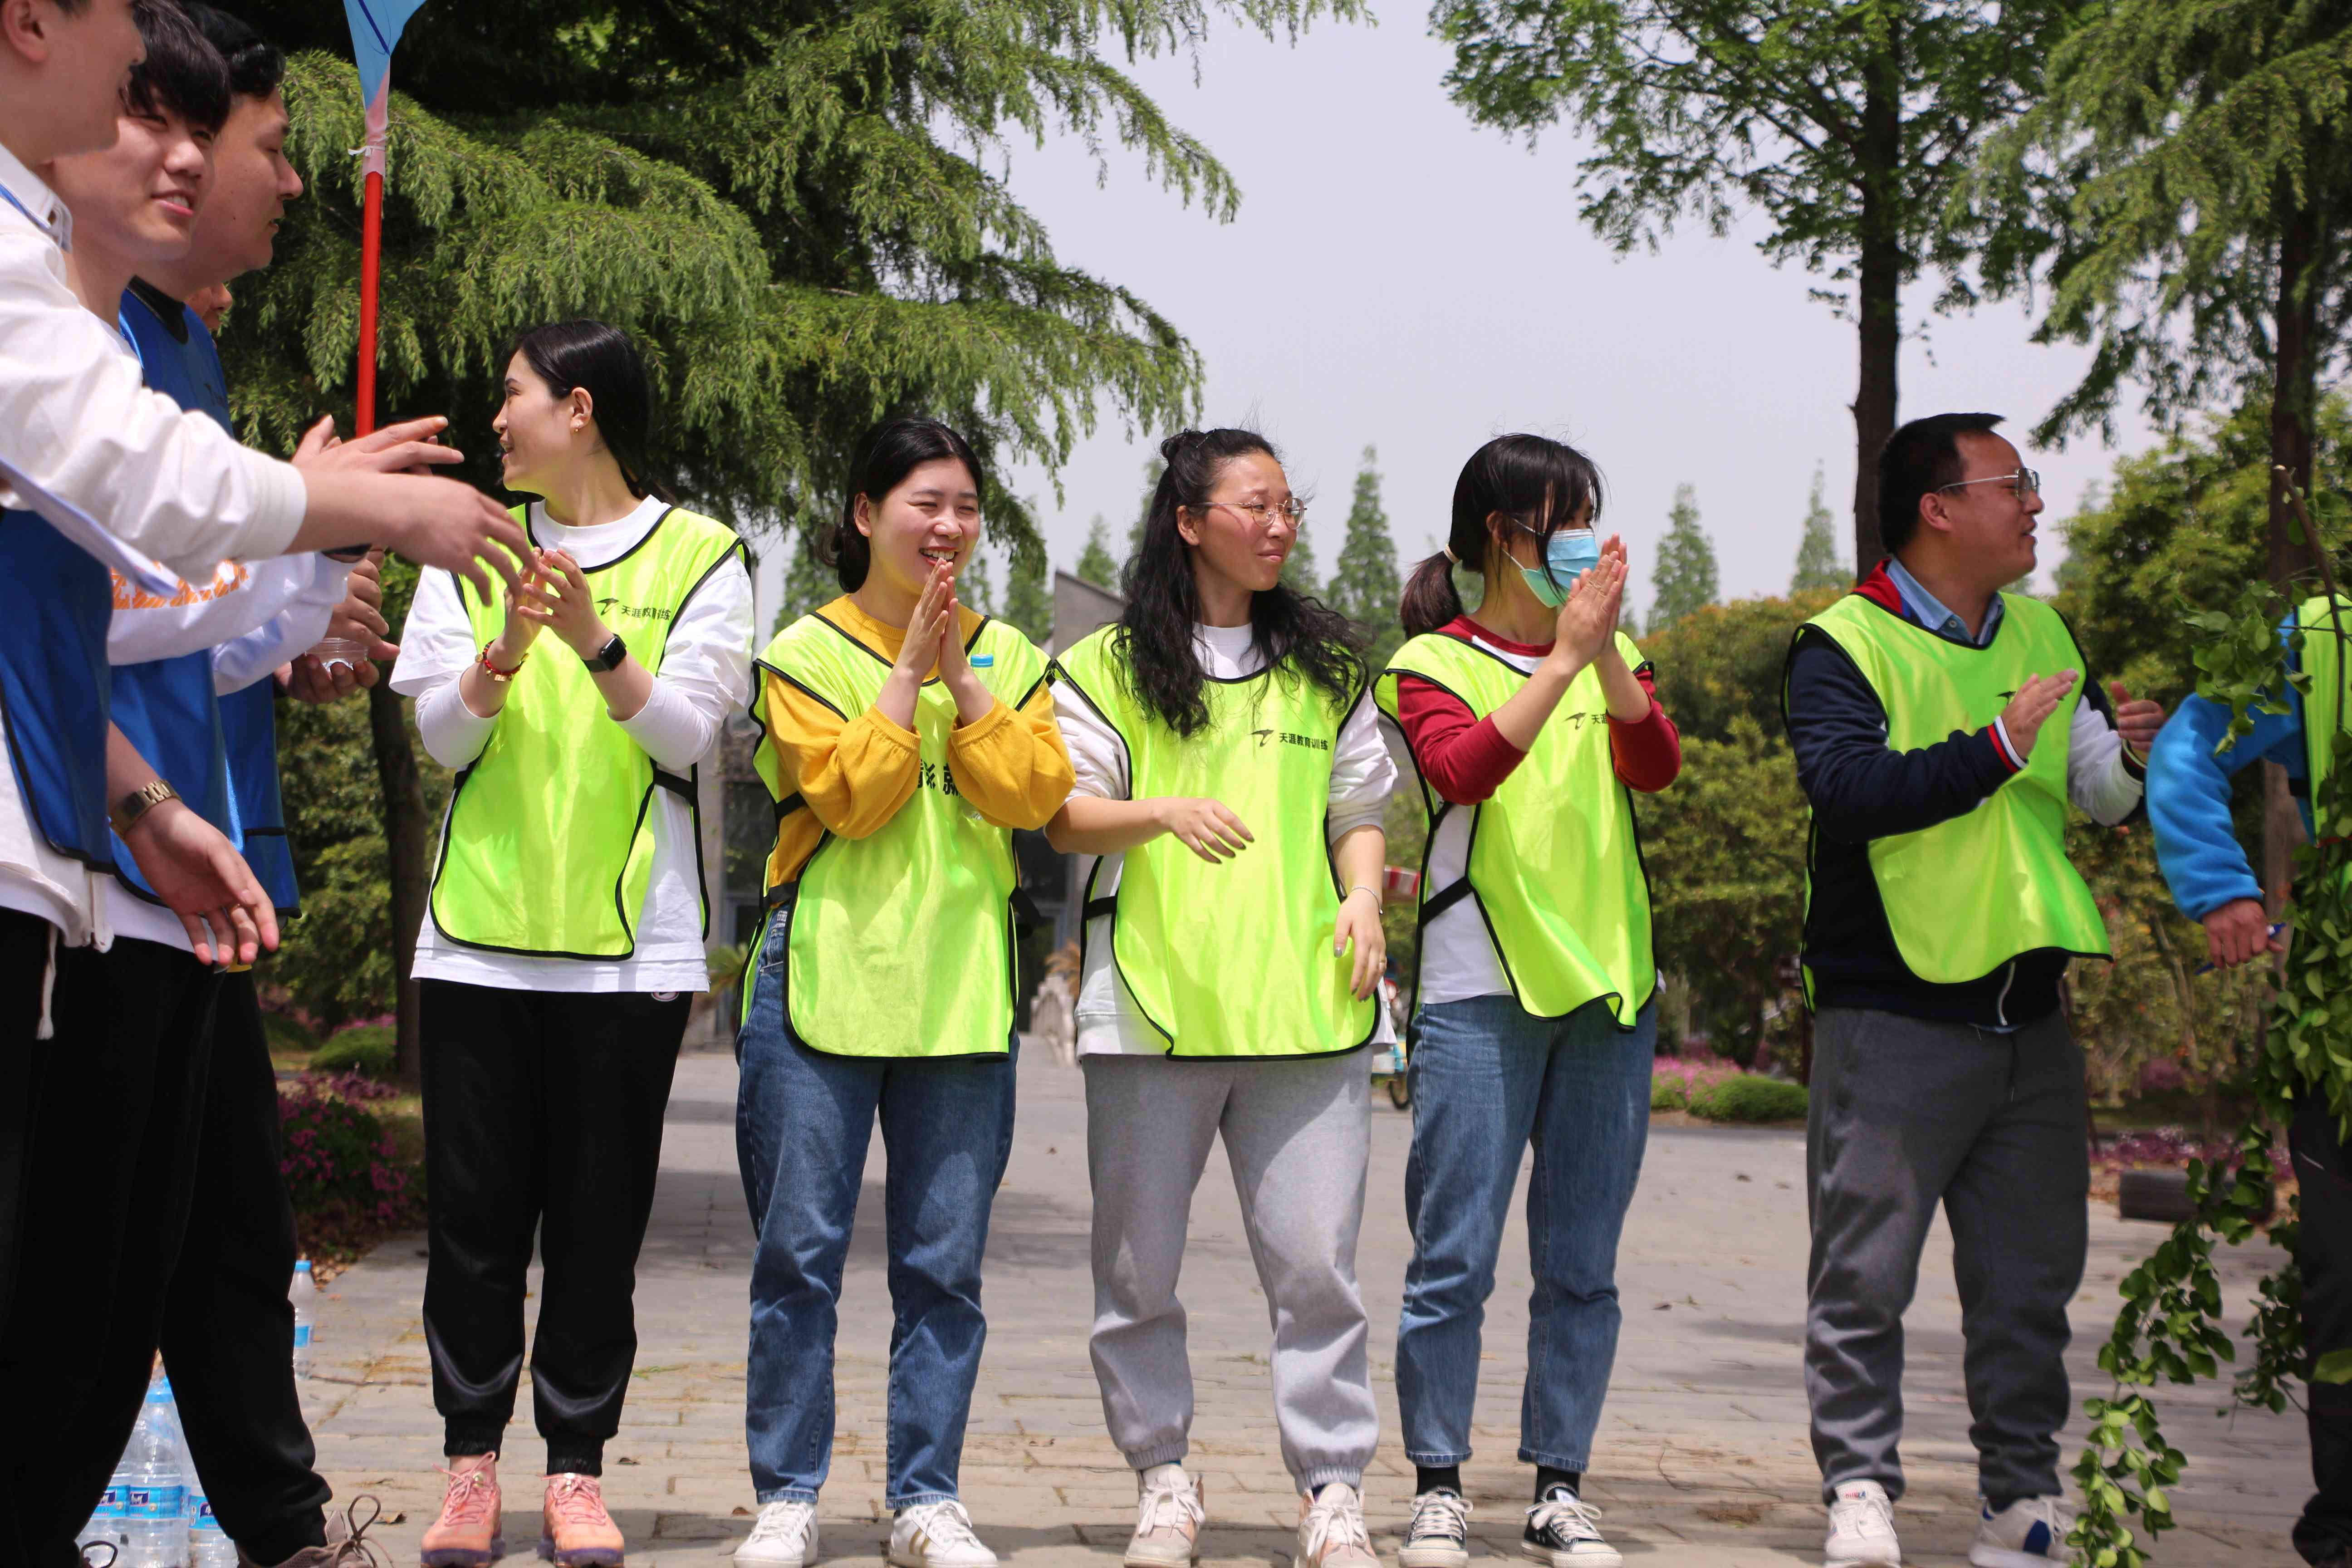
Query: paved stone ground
<point x="1702" y="1458"/>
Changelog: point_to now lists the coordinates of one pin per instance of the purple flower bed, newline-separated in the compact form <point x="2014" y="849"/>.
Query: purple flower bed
<point x="2166" y="1148"/>
<point x="344" y="1169"/>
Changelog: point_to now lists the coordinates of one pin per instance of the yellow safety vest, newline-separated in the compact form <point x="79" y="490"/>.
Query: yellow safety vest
<point x="1967" y="895"/>
<point x="547" y="846"/>
<point x="1555" y="859"/>
<point x="1230" y="960"/>
<point x="901" y="943"/>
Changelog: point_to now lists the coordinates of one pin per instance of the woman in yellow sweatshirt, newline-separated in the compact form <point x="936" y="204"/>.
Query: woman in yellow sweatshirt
<point x="906" y="737"/>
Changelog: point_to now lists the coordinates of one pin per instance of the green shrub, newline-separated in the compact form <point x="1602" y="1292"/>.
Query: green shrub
<point x="1669" y="1093"/>
<point x="1746" y="1097"/>
<point x="369" y="1048"/>
<point x="287" y="1032"/>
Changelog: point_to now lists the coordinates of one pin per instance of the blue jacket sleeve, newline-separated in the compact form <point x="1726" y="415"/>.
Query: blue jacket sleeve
<point x="1860" y="789"/>
<point x="2188" y="798"/>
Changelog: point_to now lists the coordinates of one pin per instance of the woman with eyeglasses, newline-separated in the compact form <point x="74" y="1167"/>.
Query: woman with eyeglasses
<point x="1530" y="720"/>
<point x="1231" y="779"/>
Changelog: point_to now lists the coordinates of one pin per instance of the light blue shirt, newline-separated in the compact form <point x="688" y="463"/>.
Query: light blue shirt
<point x="1930" y="612"/>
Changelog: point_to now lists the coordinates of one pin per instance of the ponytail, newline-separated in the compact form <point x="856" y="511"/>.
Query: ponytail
<point x="1430" y="598"/>
<point x="1547" y="483"/>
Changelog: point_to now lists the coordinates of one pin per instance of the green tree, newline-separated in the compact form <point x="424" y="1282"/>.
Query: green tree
<point x="1684" y="579"/>
<point x="1722" y="662"/>
<point x="976" y="587"/>
<point x="1364" y="586"/>
<point x="808" y="583"/>
<point x="796" y="208"/>
<point x="1818" y="565"/>
<point x="1152" y="469"/>
<point x="1725" y="853"/>
<point x="2186" y="188"/>
<point x="1094" y="563"/>
<point x="1848" y="127"/>
<point x="1029" y="596"/>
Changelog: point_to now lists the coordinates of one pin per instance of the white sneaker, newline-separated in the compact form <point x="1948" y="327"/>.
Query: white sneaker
<point x="2029" y="1533"/>
<point x="937" y="1535"/>
<point x="783" y="1536"/>
<point x="1862" y="1528"/>
<point x="1167" y="1521"/>
<point x="1561" y="1532"/>
<point x="1331" y="1533"/>
<point x="1439" y="1534"/>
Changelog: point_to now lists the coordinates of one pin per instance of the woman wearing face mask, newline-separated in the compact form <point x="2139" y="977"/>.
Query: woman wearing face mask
<point x="1230" y="777"/>
<point x="1528" y="720"/>
<point x="566" y="928"/>
<point x="906" y="737"/>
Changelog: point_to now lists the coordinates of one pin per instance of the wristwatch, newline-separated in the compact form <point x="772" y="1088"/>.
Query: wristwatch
<point x="140" y="802"/>
<point x="609" y="656"/>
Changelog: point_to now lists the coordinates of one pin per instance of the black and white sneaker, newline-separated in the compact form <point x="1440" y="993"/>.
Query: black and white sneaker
<point x="1561" y="1532"/>
<point x="1439" y="1535"/>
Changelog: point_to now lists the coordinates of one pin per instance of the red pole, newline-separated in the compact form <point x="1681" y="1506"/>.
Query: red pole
<point x="371" y="252"/>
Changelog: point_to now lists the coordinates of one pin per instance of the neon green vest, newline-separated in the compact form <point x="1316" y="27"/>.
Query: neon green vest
<point x="1555" y="859"/>
<point x="901" y="943"/>
<point x="1231" y="960"/>
<point x="2323" y="704"/>
<point x="1967" y="895"/>
<point x="548" y="847"/>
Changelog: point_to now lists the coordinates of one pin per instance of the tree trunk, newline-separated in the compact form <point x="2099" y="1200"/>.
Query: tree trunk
<point x="2294" y="395"/>
<point x="1878" y="292"/>
<point x="404" y="830"/>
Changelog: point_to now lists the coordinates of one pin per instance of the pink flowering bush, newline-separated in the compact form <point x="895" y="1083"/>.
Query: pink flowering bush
<point x="344" y="1169"/>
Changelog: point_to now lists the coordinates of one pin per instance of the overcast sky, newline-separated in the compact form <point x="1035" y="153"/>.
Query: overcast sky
<point x="1397" y="276"/>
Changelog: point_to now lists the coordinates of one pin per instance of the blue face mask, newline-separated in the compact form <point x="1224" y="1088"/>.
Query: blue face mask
<point x="1570" y="553"/>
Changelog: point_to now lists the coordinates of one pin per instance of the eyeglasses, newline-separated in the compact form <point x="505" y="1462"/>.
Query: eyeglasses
<point x="2023" y="483"/>
<point x="1293" y="511"/>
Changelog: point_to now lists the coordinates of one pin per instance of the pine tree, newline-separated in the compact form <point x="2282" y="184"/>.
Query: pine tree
<point x="794" y="207"/>
<point x="1298" y="570"/>
<point x="1029" y="596"/>
<point x="1818" y="565"/>
<point x="1364" y="585"/>
<point x="1094" y="563"/>
<point x="1684" y="579"/>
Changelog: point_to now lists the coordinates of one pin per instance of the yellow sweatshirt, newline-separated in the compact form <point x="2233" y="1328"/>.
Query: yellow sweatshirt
<point x="854" y="774"/>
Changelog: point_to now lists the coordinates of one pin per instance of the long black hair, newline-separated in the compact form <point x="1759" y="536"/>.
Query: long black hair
<point x="1544" y="482"/>
<point x="1292" y="632"/>
<point x="570" y="355"/>
<point x="891" y="450"/>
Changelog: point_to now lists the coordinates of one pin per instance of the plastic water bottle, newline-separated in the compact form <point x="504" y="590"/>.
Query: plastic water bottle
<point x="155" y="1519"/>
<point x="304" y="1294"/>
<point x="106" y="1521"/>
<point x="208" y="1545"/>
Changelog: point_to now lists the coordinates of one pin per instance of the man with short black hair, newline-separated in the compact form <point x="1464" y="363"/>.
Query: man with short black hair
<point x="1941" y="726"/>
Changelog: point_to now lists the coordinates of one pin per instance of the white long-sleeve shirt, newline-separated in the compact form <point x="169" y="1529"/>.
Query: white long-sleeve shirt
<point x="706" y="674"/>
<point x="122" y="469"/>
<point x="1362" y="775"/>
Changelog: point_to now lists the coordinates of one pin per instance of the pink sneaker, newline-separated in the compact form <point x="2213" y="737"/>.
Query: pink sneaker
<point x="576" y="1532"/>
<point x="467" y="1533"/>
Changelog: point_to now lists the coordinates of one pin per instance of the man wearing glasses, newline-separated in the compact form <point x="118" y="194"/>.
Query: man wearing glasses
<point x="1941" y="727"/>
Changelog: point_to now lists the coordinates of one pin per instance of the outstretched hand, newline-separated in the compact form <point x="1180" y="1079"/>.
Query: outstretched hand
<point x="2135" y="721"/>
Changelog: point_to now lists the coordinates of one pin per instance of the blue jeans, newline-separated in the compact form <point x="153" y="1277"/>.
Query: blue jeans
<point x="801" y="1122"/>
<point x="1487" y="1079"/>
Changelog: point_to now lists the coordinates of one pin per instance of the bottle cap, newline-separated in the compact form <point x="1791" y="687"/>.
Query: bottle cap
<point x="301" y="1266"/>
<point x="159" y="1391"/>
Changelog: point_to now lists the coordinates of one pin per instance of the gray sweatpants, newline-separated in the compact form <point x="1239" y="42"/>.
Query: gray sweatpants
<point x="1298" y="1135"/>
<point x="1906" y="1114"/>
